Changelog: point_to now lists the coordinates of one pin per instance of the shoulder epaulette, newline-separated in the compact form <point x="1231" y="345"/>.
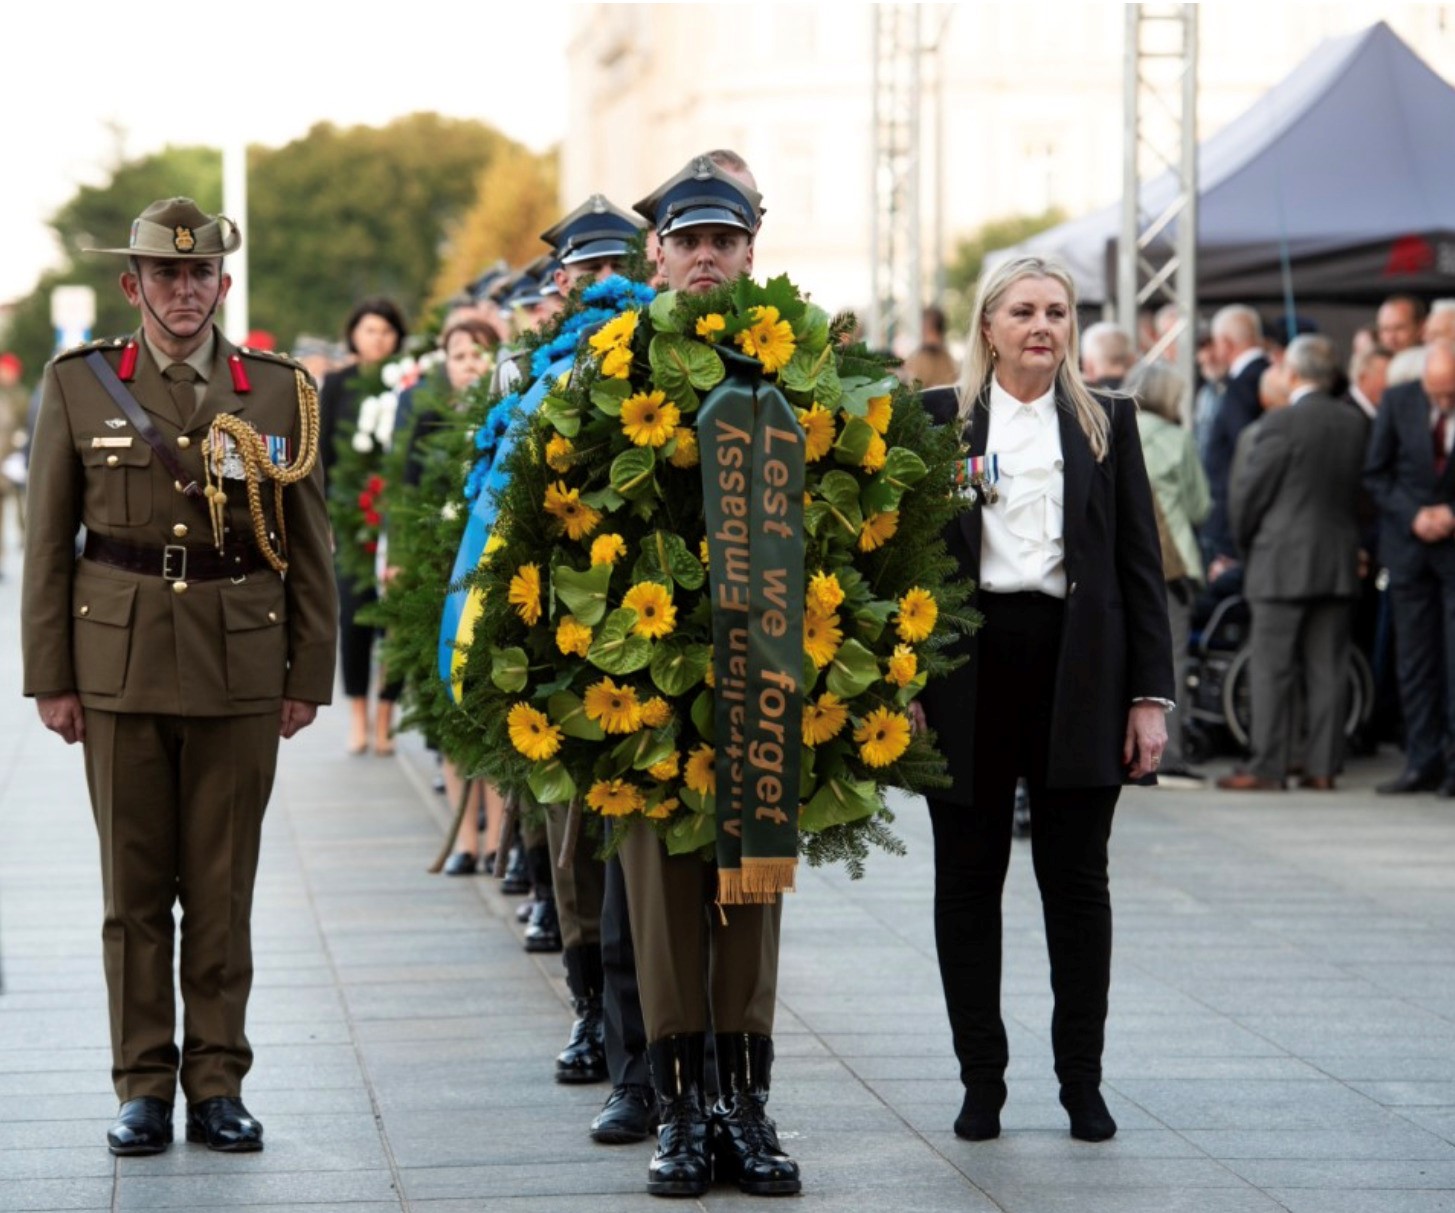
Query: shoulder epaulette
<point x="275" y="356"/>
<point x="85" y="347"/>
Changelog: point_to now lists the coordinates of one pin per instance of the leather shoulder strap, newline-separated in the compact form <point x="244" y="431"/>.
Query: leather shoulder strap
<point x="135" y="414"/>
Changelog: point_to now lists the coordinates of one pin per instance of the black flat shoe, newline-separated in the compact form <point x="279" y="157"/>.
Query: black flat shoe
<point x="1410" y="781"/>
<point x="979" y="1118"/>
<point x="1090" y="1120"/>
<point x="143" y="1126"/>
<point x="461" y="863"/>
<point x="629" y="1115"/>
<point x="224" y="1124"/>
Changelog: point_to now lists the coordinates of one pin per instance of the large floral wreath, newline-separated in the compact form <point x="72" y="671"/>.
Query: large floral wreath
<point x="590" y="672"/>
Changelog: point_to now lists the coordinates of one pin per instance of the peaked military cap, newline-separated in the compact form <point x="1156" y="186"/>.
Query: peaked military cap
<point x="178" y="228"/>
<point x="594" y="229"/>
<point x="484" y="285"/>
<point x="525" y="291"/>
<point x="700" y="194"/>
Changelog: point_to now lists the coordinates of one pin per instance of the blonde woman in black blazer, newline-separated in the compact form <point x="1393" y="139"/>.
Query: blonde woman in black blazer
<point x="1067" y="683"/>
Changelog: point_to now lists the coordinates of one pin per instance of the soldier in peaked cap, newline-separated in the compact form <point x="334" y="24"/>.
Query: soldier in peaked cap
<point x="700" y="965"/>
<point x="190" y="635"/>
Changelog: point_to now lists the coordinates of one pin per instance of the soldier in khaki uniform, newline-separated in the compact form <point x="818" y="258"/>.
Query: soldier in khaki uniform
<point x="178" y="650"/>
<point x="700" y="965"/>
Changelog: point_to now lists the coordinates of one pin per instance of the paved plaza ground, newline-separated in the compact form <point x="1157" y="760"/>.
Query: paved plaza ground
<point x="1282" y="1032"/>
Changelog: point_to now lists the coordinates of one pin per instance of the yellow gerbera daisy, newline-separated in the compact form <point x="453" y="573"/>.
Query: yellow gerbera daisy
<point x="667" y="768"/>
<point x="878" y="529"/>
<point x="821" y="637"/>
<point x="769" y="340"/>
<point x="656" y="712"/>
<point x="663" y="808"/>
<point x="649" y="418"/>
<point x="883" y="737"/>
<point x="710" y="675"/>
<point x="874" y="457"/>
<point x="614" y="708"/>
<point x="880" y="411"/>
<point x="823" y="720"/>
<point x="656" y="616"/>
<point x="686" y="454"/>
<point x="903" y="666"/>
<point x="702" y="551"/>
<point x="558" y="453"/>
<point x="615" y="333"/>
<point x="917" y="614"/>
<point x="618" y="363"/>
<point x="614" y="797"/>
<point x="566" y="505"/>
<point x="525" y="593"/>
<point x="572" y="638"/>
<point x="824" y="593"/>
<point x="607" y="549"/>
<point x="818" y="432"/>
<point x="532" y="733"/>
<point x="711" y="325"/>
<point x="701" y="772"/>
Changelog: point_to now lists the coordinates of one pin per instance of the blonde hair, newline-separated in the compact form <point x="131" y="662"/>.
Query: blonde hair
<point x="1071" y="388"/>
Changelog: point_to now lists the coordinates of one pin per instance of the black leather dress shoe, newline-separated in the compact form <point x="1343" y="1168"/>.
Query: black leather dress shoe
<point x="224" y="1124"/>
<point x="543" y="932"/>
<point x="517" y="874"/>
<point x="461" y="863"/>
<point x="143" y="1126"/>
<point x="1090" y="1119"/>
<point x="629" y="1115"/>
<point x="1409" y="781"/>
<point x="1446" y="790"/>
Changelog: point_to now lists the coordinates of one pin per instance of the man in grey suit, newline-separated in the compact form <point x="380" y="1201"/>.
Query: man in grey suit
<point x="1292" y="500"/>
<point x="1411" y="477"/>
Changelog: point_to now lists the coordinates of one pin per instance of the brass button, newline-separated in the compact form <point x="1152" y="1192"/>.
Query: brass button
<point x="112" y="460"/>
<point x="180" y="530"/>
<point x="184" y="442"/>
<point x="179" y="587"/>
<point x="272" y="616"/>
<point x="85" y="610"/>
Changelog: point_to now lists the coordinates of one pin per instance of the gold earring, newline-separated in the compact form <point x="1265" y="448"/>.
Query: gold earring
<point x="994" y="353"/>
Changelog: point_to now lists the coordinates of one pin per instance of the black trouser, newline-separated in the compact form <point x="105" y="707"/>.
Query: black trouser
<point x="626" y="1034"/>
<point x="356" y="641"/>
<point x="1424" y="639"/>
<point x="1017" y="653"/>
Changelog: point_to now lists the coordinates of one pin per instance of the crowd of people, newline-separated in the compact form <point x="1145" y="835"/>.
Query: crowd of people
<point x="1111" y="500"/>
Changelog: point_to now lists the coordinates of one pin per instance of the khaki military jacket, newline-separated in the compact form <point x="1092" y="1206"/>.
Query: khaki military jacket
<point x="129" y="642"/>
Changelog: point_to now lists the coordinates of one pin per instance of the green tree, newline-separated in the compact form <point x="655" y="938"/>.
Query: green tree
<point x="963" y="271"/>
<point x="100" y="217"/>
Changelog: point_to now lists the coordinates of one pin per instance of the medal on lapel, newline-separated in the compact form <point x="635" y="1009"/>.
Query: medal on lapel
<point x="979" y="473"/>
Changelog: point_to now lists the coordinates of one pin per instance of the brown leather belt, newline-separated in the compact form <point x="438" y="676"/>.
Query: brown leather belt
<point x="174" y="561"/>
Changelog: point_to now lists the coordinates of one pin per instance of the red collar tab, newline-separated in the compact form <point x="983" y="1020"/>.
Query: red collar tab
<point x="126" y="371"/>
<point x="239" y="373"/>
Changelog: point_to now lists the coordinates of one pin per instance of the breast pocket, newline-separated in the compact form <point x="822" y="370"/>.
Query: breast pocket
<point x="119" y="483"/>
<point x="101" y="613"/>
<point x="257" y="640"/>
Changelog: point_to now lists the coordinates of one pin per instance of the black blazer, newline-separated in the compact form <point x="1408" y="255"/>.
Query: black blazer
<point x="1239" y="410"/>
<point x="1116" y="644"/>
<point x="1399" y="472"/>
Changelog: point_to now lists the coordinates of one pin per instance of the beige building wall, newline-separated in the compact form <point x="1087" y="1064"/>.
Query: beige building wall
<point x="1032" y="113"/>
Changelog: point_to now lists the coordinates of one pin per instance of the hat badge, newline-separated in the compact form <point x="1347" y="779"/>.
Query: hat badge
<point x="598" y="204"/>
<point x="702" y="168"/>
<point x="182" y="239"/>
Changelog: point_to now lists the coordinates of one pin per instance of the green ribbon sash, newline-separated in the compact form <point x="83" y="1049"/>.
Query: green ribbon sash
<point x="752" y="489"/>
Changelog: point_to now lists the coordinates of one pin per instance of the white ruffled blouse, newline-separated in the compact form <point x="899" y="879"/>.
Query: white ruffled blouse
<point x="1022" y="544"/>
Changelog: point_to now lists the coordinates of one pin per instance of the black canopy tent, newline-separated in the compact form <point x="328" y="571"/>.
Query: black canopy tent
<point x="1346" y="167"/>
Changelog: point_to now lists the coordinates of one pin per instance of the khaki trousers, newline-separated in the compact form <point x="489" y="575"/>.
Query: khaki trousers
<point x="580" y="887"/>
<point x="179" y="803"/>
<point x="692" y="955"/>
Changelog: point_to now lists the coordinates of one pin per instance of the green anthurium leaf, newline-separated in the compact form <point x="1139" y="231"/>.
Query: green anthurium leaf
<point x="631" y="472"/>
<point x="910" y="690"/>
<point x="645" y="748"/>
<point x="858" y="391"/>
<point x="661" y="313"/>
<point x="607" y="395"/>
<point x="804" y="369"/>
<point x="811" y="330"/>
<point x="691" y="832"/>
<point x="562" y="414"/>
<point x="545" y="690"/>
<point x="697" y="801"/>
<point x="811" y="674"/>
<point x="664" y="558"/>
<point x="814" y="516"/>
<point x="829" y="392"/>
<point x="853" y="441"/>
<point x="840" y="800"/>
<point x="841" y="492"/>
<point x="551" y="783"/>
<point x="615" y="649"/>
<point x="686" y="400"/>
<point x="853" y="670"/>
<point x="807" y="780"/>
<point x="567" y="710"/>
<point x="583" y="593"/>
<point x="703" y="717"/>
<point x="869" y="620"/>
<point x="680" y="362"/>
<point x="508" y="669"/>
<point x="607" y="499"/>
<point x="903" y="467"/>
<point x="678" y="665"/>
<point x="880" y="495"/>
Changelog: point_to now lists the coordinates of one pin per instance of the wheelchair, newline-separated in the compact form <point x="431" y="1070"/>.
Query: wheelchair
<point x="1219" y="685"/>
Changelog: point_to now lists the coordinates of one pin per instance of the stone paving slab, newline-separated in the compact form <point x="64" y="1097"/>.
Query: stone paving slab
<point x="1282" y="1033"/>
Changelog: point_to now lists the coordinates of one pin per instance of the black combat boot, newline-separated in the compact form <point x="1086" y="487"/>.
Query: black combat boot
<point x="584" y="1057"/>
<point x="517" y="878"/>
<point x="543" y="930"/>
<point x="681" y="1166"/>
<point x="745" y="1145"/>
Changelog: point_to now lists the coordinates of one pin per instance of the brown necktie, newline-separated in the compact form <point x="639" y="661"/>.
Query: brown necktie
<point x="180" y="380"/>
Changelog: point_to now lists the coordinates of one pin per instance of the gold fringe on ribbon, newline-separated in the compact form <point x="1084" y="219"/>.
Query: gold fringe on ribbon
<point x="758" y="882"/>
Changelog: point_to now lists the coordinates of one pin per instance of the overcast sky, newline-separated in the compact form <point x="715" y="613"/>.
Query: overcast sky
<point x="262" y="71"/>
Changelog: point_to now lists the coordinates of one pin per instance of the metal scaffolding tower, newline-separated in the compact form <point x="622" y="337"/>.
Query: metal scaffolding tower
<point x="895" y="279"/>
<point x="1160" y="115"/>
